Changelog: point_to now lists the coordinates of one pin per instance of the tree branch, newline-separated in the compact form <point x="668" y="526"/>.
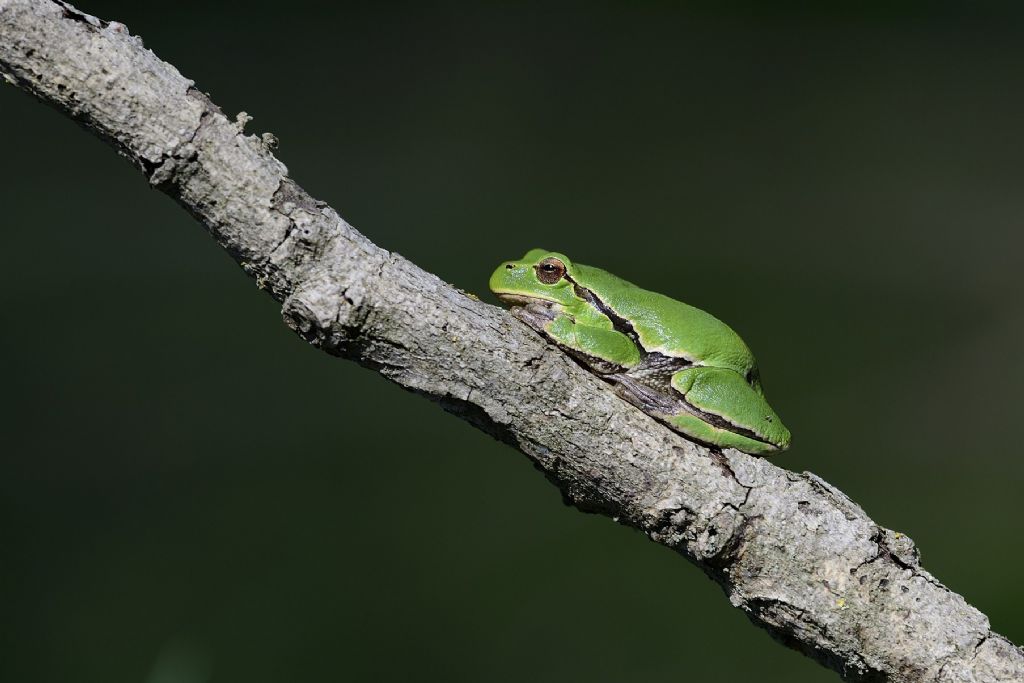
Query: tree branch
<point x="794" y="553"/>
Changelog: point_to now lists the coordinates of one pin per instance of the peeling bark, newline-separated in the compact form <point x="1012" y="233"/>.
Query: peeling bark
<point x="794" y="553"/>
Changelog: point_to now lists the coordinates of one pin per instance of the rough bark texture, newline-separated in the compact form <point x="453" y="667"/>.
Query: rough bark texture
<point x="795" y="554"/>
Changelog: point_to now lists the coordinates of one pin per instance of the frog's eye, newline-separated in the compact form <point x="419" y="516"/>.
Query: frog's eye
<point x="550" y="271"/>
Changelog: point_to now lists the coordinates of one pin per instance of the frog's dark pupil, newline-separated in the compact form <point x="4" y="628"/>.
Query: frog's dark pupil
<point x="550" y="272"/>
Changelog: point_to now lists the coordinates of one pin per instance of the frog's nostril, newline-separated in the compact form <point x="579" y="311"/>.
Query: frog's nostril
<point x="510" y="266"/>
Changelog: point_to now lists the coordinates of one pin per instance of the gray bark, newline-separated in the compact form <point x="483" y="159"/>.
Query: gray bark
<point x="794" y="553"/>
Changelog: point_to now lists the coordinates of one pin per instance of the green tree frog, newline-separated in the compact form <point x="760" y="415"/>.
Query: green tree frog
<point x="673" y="361"/>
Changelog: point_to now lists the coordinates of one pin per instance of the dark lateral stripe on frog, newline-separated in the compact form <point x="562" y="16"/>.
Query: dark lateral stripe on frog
<point x="625" y="327"/>
<point x="620" y="324"/>
<point x="721" y="423"/>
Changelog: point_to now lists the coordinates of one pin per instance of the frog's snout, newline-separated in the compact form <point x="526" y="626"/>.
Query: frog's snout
<point x="510" y="266"/>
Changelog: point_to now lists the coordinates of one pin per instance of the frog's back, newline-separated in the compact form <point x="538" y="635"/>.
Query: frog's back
<point x="670" y="327"/>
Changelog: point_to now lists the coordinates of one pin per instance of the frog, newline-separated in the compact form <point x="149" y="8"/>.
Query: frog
<point x="675" y="362"/>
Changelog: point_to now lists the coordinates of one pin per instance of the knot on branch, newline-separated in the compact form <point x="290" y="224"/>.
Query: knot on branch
<point x="322" y="312"/>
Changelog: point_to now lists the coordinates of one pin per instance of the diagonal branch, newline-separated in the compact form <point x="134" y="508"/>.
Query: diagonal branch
<point x="795" y="554"/>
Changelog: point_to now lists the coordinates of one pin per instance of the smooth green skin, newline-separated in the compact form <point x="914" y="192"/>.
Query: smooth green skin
<point x="723" y="380"/>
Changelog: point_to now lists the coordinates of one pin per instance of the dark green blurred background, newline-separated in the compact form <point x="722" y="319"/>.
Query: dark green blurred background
<point x="194" y="494"/>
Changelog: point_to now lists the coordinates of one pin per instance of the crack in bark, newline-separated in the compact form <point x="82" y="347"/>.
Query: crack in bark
<point x="174" y="162"/>
<point x="74" y="14"/>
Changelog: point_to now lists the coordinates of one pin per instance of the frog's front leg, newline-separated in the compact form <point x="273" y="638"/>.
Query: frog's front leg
<point x="603" y="350"/>
<point x="535" y="315"/>
<point x="727" y="411"/>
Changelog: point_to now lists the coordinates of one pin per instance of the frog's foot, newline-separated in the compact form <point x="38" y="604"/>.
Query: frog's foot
<point x="535" y="314"/>
<point x="682" y="417"/>
<point x="724" y="410"/>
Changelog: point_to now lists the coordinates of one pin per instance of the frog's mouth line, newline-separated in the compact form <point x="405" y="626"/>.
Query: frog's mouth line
<point x="521" y="299"/>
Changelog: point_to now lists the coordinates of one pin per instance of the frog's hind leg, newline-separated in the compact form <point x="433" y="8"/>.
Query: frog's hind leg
<point x="724" y="410"/>
<point x="696" y="428"/>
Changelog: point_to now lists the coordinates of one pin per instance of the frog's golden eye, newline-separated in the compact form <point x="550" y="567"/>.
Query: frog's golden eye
<point x="550" y="271"/>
